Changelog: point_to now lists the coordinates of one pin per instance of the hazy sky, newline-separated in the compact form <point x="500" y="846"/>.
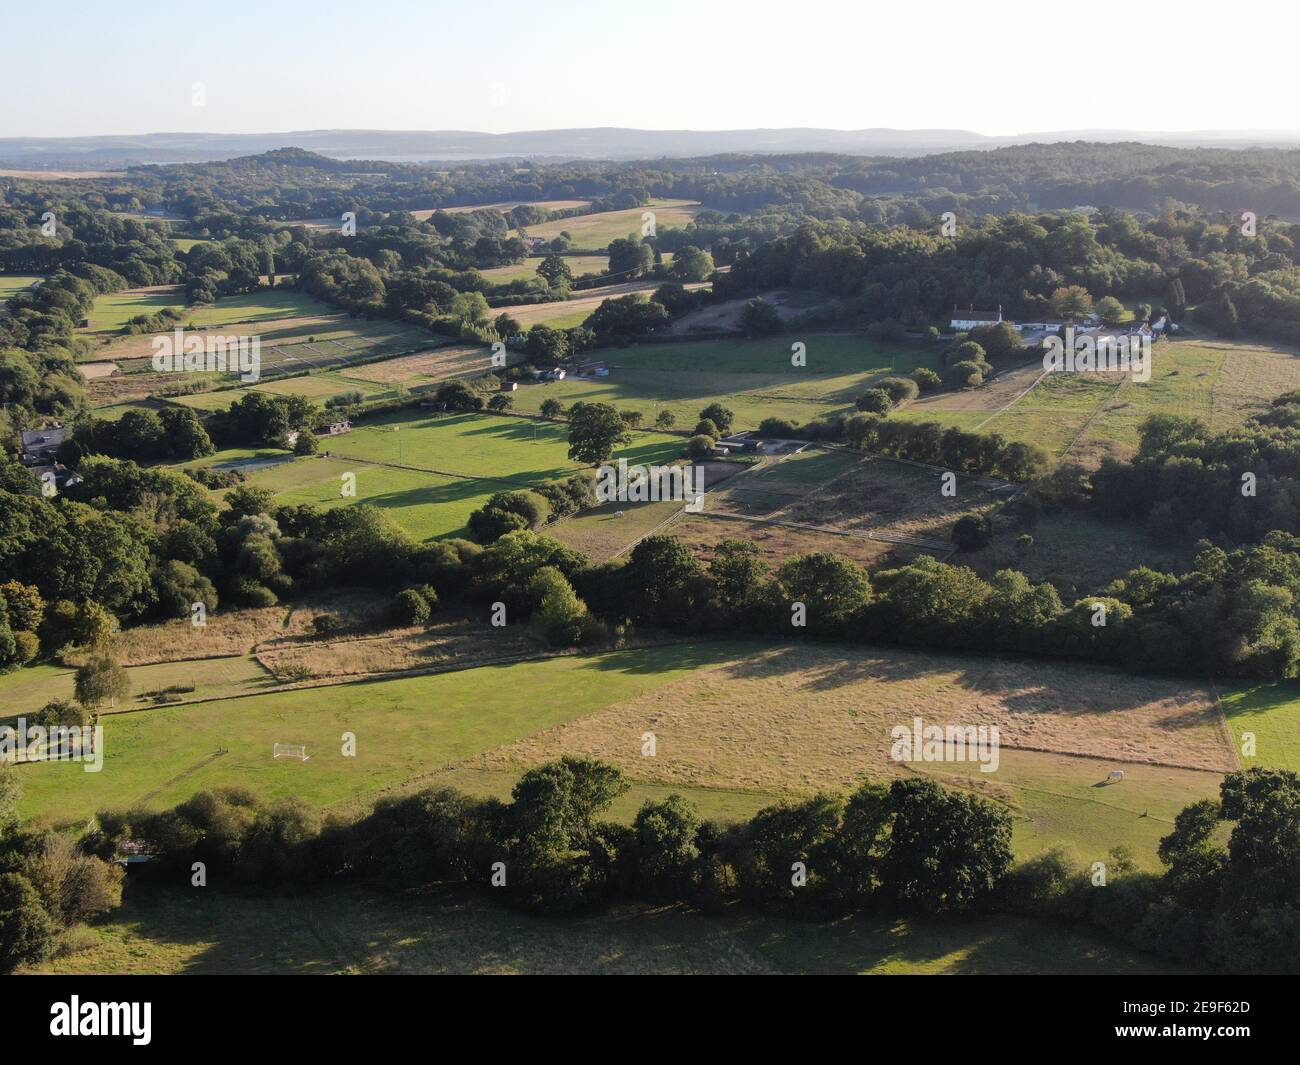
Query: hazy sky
<point x="81" y="68"/>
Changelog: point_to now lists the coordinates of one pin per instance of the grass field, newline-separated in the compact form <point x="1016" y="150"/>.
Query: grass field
<point x="29" y="689"/>
<point x="1074" y="550"/>
<point x="1271" y="712"/>
<point x="754" y="378"/>
<point x="594" y="232"/>
<point x="737" y="724"/>
<point x="479" y="445"/>
<point x="1089" y="416"/>
<point x="468" y="450"/>
<point x="112" y="311"/>
<point x="352" y="931"/>
<point x="11" y="283"/>
<point x="406" y="729"/>
<point x="526" y="270"/>
<point x="425" y="504"/>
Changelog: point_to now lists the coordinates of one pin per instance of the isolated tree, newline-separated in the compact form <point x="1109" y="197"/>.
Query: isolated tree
<point x="101" y="680"/>
<point x="665" y="419"/>
<point x="596" y="430"/>
<point x="552" y="408"/>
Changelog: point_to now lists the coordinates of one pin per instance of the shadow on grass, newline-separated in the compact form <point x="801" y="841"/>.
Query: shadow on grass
<point x="171" y="928"/>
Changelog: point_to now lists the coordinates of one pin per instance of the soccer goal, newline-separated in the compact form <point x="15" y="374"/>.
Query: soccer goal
<point x="290" y="750"/>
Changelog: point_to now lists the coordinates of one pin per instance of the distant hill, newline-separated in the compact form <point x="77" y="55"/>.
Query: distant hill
<point x="561" y="144"/>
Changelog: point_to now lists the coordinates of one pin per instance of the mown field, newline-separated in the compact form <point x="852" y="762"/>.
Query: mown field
<point x="594" y="232"/>
<point x="406" y="728"/>
<point x="474" y="455"/>
<point x="29" y="689"/>
<point x="11" y="283"/>
<point x="1088" y="416"/>
<point x="352" y="931"/>
<point x="425" y="504"/>
<point x="754" y="378"/>
<point x="738" y="724"/>
<point x="577" y="264"/>
<point x="1270" y="713"/>
<point x="482" y="445"/>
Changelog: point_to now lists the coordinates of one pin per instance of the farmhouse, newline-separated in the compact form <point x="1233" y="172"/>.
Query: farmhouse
<point x="335" y="428"/>
<point x="41" y="445"/>
<point x="970" y="318"/>
<point x="57" y="473"/>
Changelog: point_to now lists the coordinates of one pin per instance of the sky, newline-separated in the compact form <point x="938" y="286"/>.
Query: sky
<point x="1002" y="67"/>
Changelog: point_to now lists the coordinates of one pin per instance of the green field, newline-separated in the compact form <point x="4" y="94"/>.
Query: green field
<point x="469" y="450"/>
<point x="740" y="725"/>
<point x="1222" y="382"/>
<point x="526" y="270"/>
<point x="29" y="689"/>
<point x="594" y="232"/>
<point x="480" y="445"/>
<point x="406" y="729"/>
<point x="11" y="283"/>
<point x="317" y="387"/>
<point x="425" y="504"/>
<point x="161" y="930"/>
<point x="112" y="311"/>
<point x="754" y="378"/>
<point x="1272" y="713"/>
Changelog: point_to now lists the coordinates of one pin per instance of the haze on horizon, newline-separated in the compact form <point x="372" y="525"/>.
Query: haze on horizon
<point x="505" y="66"/>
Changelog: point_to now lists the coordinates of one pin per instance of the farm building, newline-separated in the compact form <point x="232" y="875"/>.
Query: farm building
<point x="970" y="318"/>
<point x="41" y="445"/>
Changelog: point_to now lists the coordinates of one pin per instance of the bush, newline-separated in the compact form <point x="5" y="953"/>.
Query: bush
<point x="720" y="416"/>
<point x="706" y="427"/>
<point x="967" y="374"/>
<point x="326" y="624"/>
<point x="926" y="379"/>
<point x="700" y="446"/>
<point x="778" y="427"/>
<point x="972" y="532"/>
<point x="901" y="389"/>
<point x="410" y="608"/>
<point x="875" y="401"/>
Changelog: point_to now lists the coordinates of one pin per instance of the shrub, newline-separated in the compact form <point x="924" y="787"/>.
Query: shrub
<point x="967" y="374"/>
<point x="901" y="389"/>
<point x="700" y="446"/>
<point x="326" y="624"/>
<point x="410" y="608"/>
<point x="926" y="379"/>
<point x="874" y="401"/>
<point x="972" y="532"/>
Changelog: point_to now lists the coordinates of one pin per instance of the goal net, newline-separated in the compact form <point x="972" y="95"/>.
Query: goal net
<point x="290" y="750"/>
